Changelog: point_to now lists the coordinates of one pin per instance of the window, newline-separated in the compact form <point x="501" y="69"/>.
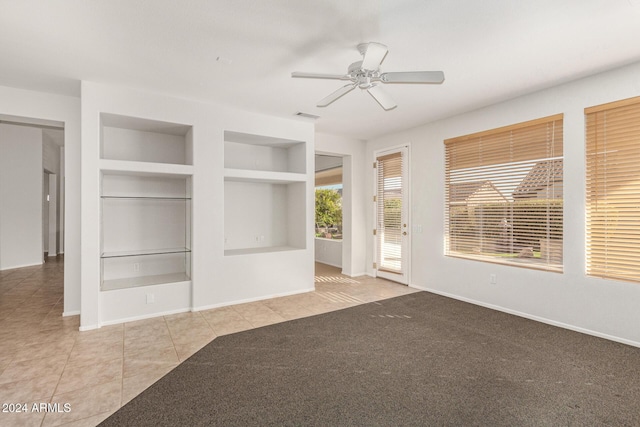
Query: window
<point x="504" y="195"/>
<point x="613" y="190"/>
<point x="391" y="220"/>
<point x="328" y="205"/>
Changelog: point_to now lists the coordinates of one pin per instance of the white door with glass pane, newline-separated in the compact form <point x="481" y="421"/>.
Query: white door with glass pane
<point x="391" y="213"/>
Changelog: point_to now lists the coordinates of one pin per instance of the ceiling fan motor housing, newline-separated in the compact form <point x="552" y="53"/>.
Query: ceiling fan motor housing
<point x="361" y="76"/>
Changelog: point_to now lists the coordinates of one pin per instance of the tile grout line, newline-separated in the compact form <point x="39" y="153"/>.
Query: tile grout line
<point x="173" y="343"/>
<point x="124" y="339"/>
<point x="66" y="363"/>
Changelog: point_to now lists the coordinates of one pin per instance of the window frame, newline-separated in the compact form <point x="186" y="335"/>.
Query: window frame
<point x="609" y="190"/>
<point x="326" y="183"/>
<point x="522" y="158"/>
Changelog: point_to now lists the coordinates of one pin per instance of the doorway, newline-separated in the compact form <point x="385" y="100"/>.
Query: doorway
<point x="328" y="215"/>
<point x="32" y="192"/>
<point x="391" y="213"/>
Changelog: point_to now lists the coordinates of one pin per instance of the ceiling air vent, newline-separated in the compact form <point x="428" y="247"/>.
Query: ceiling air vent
<point x="307" y="115"/>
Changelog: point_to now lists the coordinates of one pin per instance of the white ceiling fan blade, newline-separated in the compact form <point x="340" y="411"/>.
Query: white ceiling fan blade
<point x="302" y="74"/>
<point x="374" y="56"/>
<point x="435" y="77"/>
<point x="337" y="94"/>
<point x="382" y="97"/>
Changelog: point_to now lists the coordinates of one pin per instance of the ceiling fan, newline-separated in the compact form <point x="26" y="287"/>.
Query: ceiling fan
<point x="366" y="75"/>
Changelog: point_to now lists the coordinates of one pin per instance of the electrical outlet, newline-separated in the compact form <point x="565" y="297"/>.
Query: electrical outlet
<point x="136" y="266"/>
<point x="151" y="298"/>
<point x="493" y="279"/>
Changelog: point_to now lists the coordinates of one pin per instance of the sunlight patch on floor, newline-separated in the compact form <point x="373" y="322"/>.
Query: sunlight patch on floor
<point x="339" y="297"/>
<point x="335" y="279"/>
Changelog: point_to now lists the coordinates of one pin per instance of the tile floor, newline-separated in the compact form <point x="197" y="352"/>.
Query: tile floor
<point x="44" y="359"/>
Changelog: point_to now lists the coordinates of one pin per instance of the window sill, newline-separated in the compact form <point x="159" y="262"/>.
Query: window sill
<point x="513" y="262"/>
<point x="330" y="240"/>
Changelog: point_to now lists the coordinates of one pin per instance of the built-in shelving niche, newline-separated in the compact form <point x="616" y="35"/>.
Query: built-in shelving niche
<point x="145" y="202"/>
<point x="135" y="139"/>
<point x="264" y="194"/>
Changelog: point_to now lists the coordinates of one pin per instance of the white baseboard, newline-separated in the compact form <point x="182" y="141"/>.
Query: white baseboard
<point x="532" y="317"/>
<point x="13" y="267"/>
<point x="144" y="316"/>
<point x="328" y="263"/>
<point x="355" y="274"/>
<point x="71" y="313"/>
<point x="244" y="301"/>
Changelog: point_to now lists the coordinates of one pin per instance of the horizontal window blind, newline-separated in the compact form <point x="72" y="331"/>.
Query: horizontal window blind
<point x="389" y="212"/>
<point x="504" y="194"/>
<point x="613" y="190"/>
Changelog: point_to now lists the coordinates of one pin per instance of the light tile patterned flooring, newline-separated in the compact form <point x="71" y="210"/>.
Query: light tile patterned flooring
<point x="44" y="359"/>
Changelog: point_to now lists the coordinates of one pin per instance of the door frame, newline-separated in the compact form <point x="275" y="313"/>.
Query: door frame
<point x="405" y="277"/>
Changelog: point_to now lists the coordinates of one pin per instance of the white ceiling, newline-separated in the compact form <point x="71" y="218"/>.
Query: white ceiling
<point x="241" y="52"/>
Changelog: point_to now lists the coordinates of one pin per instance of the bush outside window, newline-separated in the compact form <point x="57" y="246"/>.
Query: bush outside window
<point x="328" y="215"/>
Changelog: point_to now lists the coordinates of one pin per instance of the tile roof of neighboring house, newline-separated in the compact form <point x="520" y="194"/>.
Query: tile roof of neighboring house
<point x="541" y="176"/>
<point x="462" y="192"/>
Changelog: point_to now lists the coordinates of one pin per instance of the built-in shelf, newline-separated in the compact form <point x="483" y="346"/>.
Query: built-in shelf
<point x="142" y="140"/>
<point x="265" y="193"/>
<point x="146" y="169"/>
<point x="144" y="252"/>
<point x="145" y="198"/>
<point x="144" y="267"/>
<point x="132" y="282"/>
<point x="248" y="175"/>
<point x="268" y="249"/>
<point x="264" y="153"/>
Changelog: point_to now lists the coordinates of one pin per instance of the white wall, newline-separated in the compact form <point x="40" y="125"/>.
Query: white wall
<point x="24" y="104"/>
<point x="20" y="196"/>
<point x="61" y="204"/>
<point x="600" y="307"/>
<point x="355" y="198"/>
<point x="328" y="251"/>
<point x="52" y="216"/>
<point x="51" y="150"/>
<point x="51" y="138"/>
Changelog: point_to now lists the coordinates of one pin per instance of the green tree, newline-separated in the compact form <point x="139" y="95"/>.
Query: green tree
<point x="328" y="207"/>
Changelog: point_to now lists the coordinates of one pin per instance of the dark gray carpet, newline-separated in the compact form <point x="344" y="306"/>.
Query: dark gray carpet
<point x="419" y="359"/>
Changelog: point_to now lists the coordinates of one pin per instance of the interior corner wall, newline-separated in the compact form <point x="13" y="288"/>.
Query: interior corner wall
<point x="50" y="151"/>
<point x="51" y="216"/>
<point x="354" y="198"/>
<point x="61" y="181"/>
<point x="64" y="109"/>
<point x="570" y="299"/>
<point x="21" y="192"/>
